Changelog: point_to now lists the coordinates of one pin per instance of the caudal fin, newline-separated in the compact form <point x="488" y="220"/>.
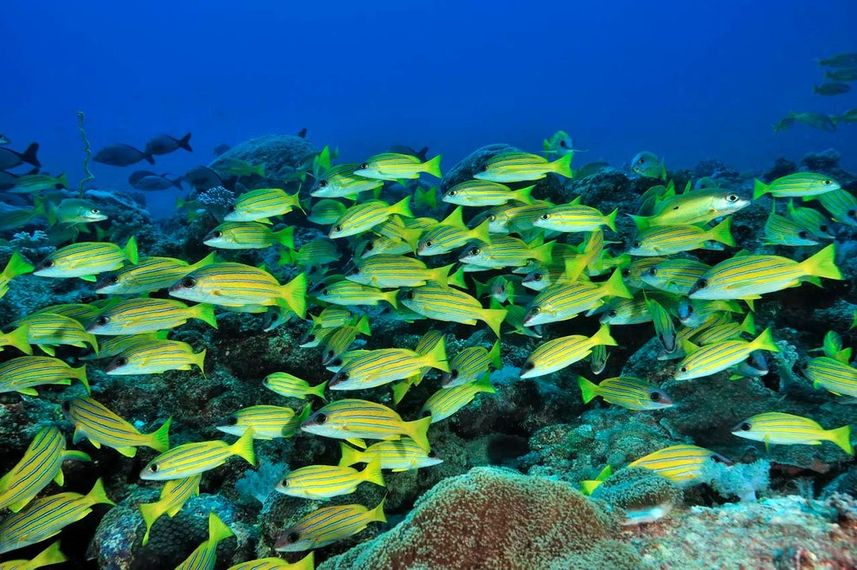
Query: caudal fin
<point x="823" y="264"/>
<point x="603" y="337"/>
<point x="842" y="438"/>
<point x="760" y="189"/>
<point x="722" y="233"/>
<point x="130" y="250"/>
<point x="29" y="155"/>
<point x="418" y="431"/>
<point x="615" y="286"/>
<point x="562" y="165"/>
<point x="97" y="495"/>
<point x="244" y="447"/>
<point x="217" y="529"/>
<point x="765" y="341"/>
<point x="151" y="512"/>
<point x="47" y="557"/>
<point x="350" y="456"/>
<point x="184" y="143"/>
<point x="205" y="313"/>
<point x="588" y="389"/>
<point x="377" y="514"/>
<point x="372" y="473"/>
<point x="16" y="266"/>
<point x="286" y="237"/>
<point x="402" y="208"/>
<point x="160" y="439"/>
<point x="433" y="167"/>
<point x="436" y="357"/>
<point x="19" y="338"/>
<point x="494" y="318"/>
<point x="294" y="294"/>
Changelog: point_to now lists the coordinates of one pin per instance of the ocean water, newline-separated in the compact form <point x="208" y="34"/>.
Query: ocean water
<point x="604" y="346"/>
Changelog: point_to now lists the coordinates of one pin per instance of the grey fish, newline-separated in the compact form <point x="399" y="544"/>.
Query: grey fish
<point x="203" y="178"/>
<point x="831" y="88"/>
<point x="122" y="155"/>
<point x="10" y="158"/>
<point x="145" y="180"/>
<point x="847" y="74"/>
<point x="165" y="144"/>
<point x="814" y="120"/>
<point x="840" y="60"/>
<point x="7" y="179"/>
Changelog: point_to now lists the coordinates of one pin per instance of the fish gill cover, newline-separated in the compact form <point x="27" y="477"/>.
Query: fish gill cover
<point x="327" y="347"/>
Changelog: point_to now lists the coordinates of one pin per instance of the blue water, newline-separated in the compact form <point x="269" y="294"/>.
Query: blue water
<point x="685" y="80"/>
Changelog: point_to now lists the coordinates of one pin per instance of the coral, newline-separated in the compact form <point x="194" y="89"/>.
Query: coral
<point x="641" y="493"/>
<point x="743" y="480"/>
<point x="257" y="484"/>
<point x="281" y="155"/>
<point x="490" y="518"/>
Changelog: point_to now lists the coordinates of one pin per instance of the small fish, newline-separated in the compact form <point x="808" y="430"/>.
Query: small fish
<point x="399" y="455"/>
<point x="266" y="422"/>
<point x="481" y="193"/>
<point x="839" y="60"/>
<point x="18" y="338"/>
<point x="667" y="240"/>
<point x="249" y="235"/>
<point x="674" y="275"/>
<point x="575" y="218"/>
<point x="342" y="337"/>
<point x="332" y="317"/>
<point x="713" y="358"/>
<point x="723" y="332"/>
<point x="328" y="525"/>
<point x="10" y="159"/>
<point x="366" y="215"/>
<point x="144" y="315"/>
<point x="231" y="166"/>
<point x="451" y="233"/>
<point x="385" y="365"/>
<point x="165" y="144"/>
<point x="626" y="391"/>
<point x="237" y="285"/>
<point x="847" y="74"/>
<point x="505" y="251"/>
<point x="470" y="364"/>
<point x="174" y="494"/>
<point x="589" y="485"/>
<point x="34" y="183"/>
<point x="664" y="326"/>
<point x="562" y="352"/>
<point x="151" y="182"/>
<point x="341" y="182"/>
<point x="13" y="218"/>
<point x="47" y="557"/>
<point x="101" y="426"/>
<point x="842" y="205"/>
<point x="516" y="166"/>
<point x="149" y="275"/>
<point x="197" y="457"/>
<point x="155" y="357"/>
<point x="442" y="303"/>
<point x="833" y="347"/>
<point x="261" y="204"/>
<point x="87" y="259"/>
<point x="815" y="120"/>
<point x="47" y="516"/>
<point x="779" y="230"/>
<point x="598" y="359"/>
<point x="559" y="143"/>
<point x="833" y="375"/>
<point x="121" y="155"/>
<point x="831" y="88"/>
<point x="390" y="271"/>
<point x="849" y="116"/>
<point x="788" y="429"/>
<point x="353" y="420"/>
<point x="24" y="373"/>
<point x="49" y="330"/>
<point x="202" y="178"/>
<point x="563" y="301"/>
<point x="15" y="267"/>
<point x="291" y="386"/>
<point x="648" y="165"/>
<point x="74" y="211"/>
<point x="446" y="401"/>
<point x="682" y="464"/>
<point x="204" y="557"/>
<point x="799" y="184"/>
<point x="326" y="212"/>
<point x="395" y="166"/>
<point x="810" y="219"/>
<point x="750" y="276"/>
<point x="321" y="482"/>
<point x="697" y="207"/>
<point x="274" y="563"/>
<point x="348" y="293"/>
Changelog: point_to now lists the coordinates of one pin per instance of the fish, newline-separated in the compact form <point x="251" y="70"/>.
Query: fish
<point x="849" y="116"/>
<point x="648" y="165"/>
<point x="395" y="166"/>
<point x="561" y="352"/>
<point x="220" y="149"/>
<point x="15" y="267"/>
<point x="274" y="563"/>
<point x="18" y="338"/>
<point x="74" y="211"/>
<point x="833" y="347"/>
<point x="349" y="293"/>
<point x="505" y="251"/>
<point x="149" y="181"/>
<point x="674" y="275"/>
<point x="202" y="178"/>
<point x="451" y="233"/>
<point x="780" y="230"/>
<point x="332" y="317"/>
<point x="810" y="219"/>
<point x="788" y="429"/>
<point x="235" y="285"/>
<point x="587" y="487"/>
<point x="197" y="457"/>
<point x="87" y="259"/>
<point x="398" y="455"/>
<point x="799" y="184"/>
<point x="231" y="166"/>
<point x="315" y="253"/>
<point x="427" y="344"/>
<point x="376" y="421"/>
<point x="626" y="391"/>
<point x="266" y="422"/>
<point x="13" y="218"/>
<point x="385" y="365"/>
<point x="516" y="166"/>
<point x="366" y="215"/>
<point x="724" y="332"/>
<point x="325" y="212"/>
<point x="10" y="159"/>
<point x="291" y="386"/>
<point x="24" y="373"/>
<point x="833" y="375"/>
<point x="41" y="464"/>
<point x="174" y="494"/>
<point x="144" y="315"/>
<point x="663" y="322"/>
<point x="101" y="426"/>
<point x="122" y="155"/>
<point x="328" y="525"/>
<point x="49" y="330"/>
<point x="559" y="143"/>
<point x="148" y="275"/>
<point x="342" y="337"/>
<point x="815" y="120"/>
<point x="35" y="183"/>
<point x="563" y="301"/>
<point x="479" y="193"/>
<point x="4" y="139"/>
<point x="391" y="271"/>
<point x="204" y="556"/>
<point x="750" y="276"/>
<point x="446" y="401"/>
<point x="713" y="358"/>
<point x="322" y="482"/>
<point x="682" y="464"/>
<point x="471" y="363"/>
<point x="165" y="144"/>
<point x="47" y="516"/>
<point x="668" y="240"/>
<point x="598" y="359"/>
<point x="842" y="205"/>
<point x="261" y="204"/>
<point x="155" y="357"/>
<point x="831" y="88"/>
<point x="442" y="303"/>
<point x="47" y="557"/>
<point x="697" y="207"/>
<point x="839" y="60"/>
<point x="575" y="218"/>
<point x="341" y="182"/>
<point x="249" y="235"/>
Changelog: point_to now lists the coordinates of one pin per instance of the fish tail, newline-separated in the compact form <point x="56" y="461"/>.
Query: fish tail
<point x="615" y="286"/>
<point x="362" y="326"/>
<point x="98" y="495"/>
<point x="390" y="297"/>
<point x="765" y="341"/>
<point x="562" y="165"/>
<point x="286" y="237"/>
<point x="130" y="250"/>
<point x="377" y="514"/>
<point x="199" y="360"/>
<point x="400" y="389"/>
<point x="426" y="198"/>
<point x="760" y="189"/>
<point x="319" y="391"/>
<point x="402" y="208"/>
<point x="50" y="555"/>
<point x="19" y="338"/>
<point x="244" y="447"/>
<point x="494" y="356"/>
<point x="494" y="318"/>
<point x="80" y="374"/>
<point x="436" y="357"/>
<point x="160" y="438"/>
<point x="610" y="220"/>
<point x="205" y="313"/>
<point x="523" y="195"/>
<point x="151" y="512"/>
<point x="603" y="337"/>
<point x="482" y="232"/>
<point x="433" y="167"/>
<point x="484" y="384"/>
<point x="418" y="431"/>
<point x="748" y="325"/>
<point x="217" y="529"/>
<point x="588" y="389"/>
<point x="29" y="155"/>
<point x="207" y="260"/>
<point x="349" y="455"/>
<point x="842" y="437"/>
<point x="294" y="294"/>
<point x="411" y="237"/>
<point x="305" y="563"/>
<point x="372" y="473"/>
<point x="259" y="170"/>
<point x="588" y="487"/>
<point x="822" y="264"/>
<point x="184" y="143"/>
<point x="93" y="342"/>
<point x="457" y="279"/>
<point x="149" y="157"/>
<point x="440" y="274"/>
<point x="722" y="233"/>
<point x="543" y="253"/>
<point x="642" y="222"/>
<point x="16" y="266"/>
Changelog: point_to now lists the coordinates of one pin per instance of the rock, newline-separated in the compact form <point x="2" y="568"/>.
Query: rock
<point x="280" y="155"/>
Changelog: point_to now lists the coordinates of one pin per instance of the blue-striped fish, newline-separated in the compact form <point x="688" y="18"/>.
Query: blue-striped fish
<point x="391" y="271"/>
<point x="561" y="352"/>
<point x="713" y="358"/>
<point x="267" y="422"/>
<point x="451" y="233"/>
<point x="485" y="193"/>
<point x="515" y="166"/>
<point x="723" y="332"/>
<point x="155" y="357"/>
<point x="505" y="251"/>
<point x="149" y="275"/>
<point x="328" y="481"/>
<point x="261" y="204"/>
<point x="442" y="303"/>
<point x="364" y="216"/>
<point x="46" y="517"/>
<point x="397" y="166"/>
<point x="291" y="386"/>
<point x="332" y="317"/>
<point x="274" y="563"/>
<point x="471" y="363"/>
<point x="682" y="464"/>
<point x="402" y="454"/>
<point x="789" y="429"/>
<point x="326" y="212"/>
<point x="48" y="330"/>
<point x="328" y="525"/>
<point x="349" y="293"/>
<point x="385" y="365"/>
<point x="87" y="259"/>
<point x="204" y="557"/>
<point x="626" y="391"/>
<point x="676" y="275"/>
<point x="341" y="182"/>
<point x="339" y="339"/>
<point x="779" y="230"/>
<point x="197" y="457"/>
<point x="563" y="301"/>
<point x="147" y="315"/>
<point x="575" y="218"/>
<point x="697" y="207"/>
<point x="116" y="345"/>
<point x="799" y="184"/>
<point x="315" y="253"/>
<point x="833" y="375"/>
<point x="353" y="420"/>
<point x="810" y="219"/>
<point x="47" y="557"/>
<point x="842" y="205"/>
<point x="25" y="373"/>
<point x="101" y="426"/>
<point x="174" y="494"/>
<point x="668" y="240"/>
<point x="446" y="401"/>
<point x="249" y="235"/>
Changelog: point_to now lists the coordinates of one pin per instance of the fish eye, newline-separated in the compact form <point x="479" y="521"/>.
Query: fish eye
<point x="563" y="144"/>
<point x="292" y="537"/>
<point x="325" y="292"/>
<point x="653" y="271"/>
<point x="613" y="313"/>
<point x="337" y="228"/>
<point x="453" y="374"/>
<point x="410" y="295"/>
<point x="637" y="244"/>
<point x="475" y="251"/>
<point x="320" y="418"/>
<point x="452" y="193"/>
<point x="493" y="218"/>
<point x="370" y="245"/>
<point x="537" y="276"/>
<point x="545" y="216"/>
<point x="626" y="273"/>
<point x="732" y="198"/>
<point x="745" y="426"/>
<point x="702" y="284"/>
<point x="432" y="453"/>
<point x="824" y="227"/>
<point x="655" y="396"/>
<point x="188" y="282"/>
<point x="66" y="406"/>
<point x="284" y="483"/>
<point x="642" y="160"/>
<point x="94" y="211"/>
<point x="802" y="234"/>
<point x="232" y="208"/>
<point x="322" y="183"/>
<point x="683" y="369"/>
<point x="529" y="365"/>
<point x="337" y="362"/>
<point x="217" y="234"/>
<point x="102" y="320"/>
<point x="330" y="354"/>
<point x="364" y="166"/>
<point x="428" y="243"/>
<point x="121" y="361"/>
<point x="535" y="311"/>
<point x="153" y="467"/>
<point x="827" y="182"/>
<point x="47" y="263"/>
<point x="113" y="280"/>
<point x="232" y="420"/>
